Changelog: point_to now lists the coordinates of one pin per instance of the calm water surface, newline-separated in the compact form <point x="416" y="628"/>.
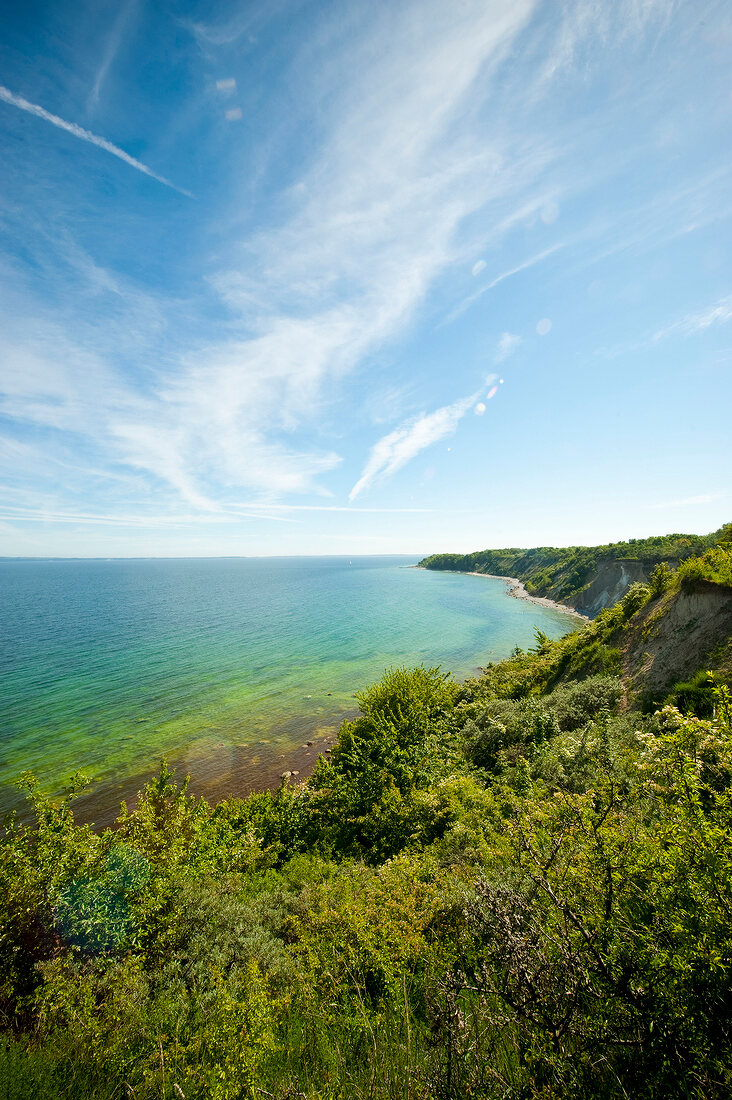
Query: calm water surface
<point x="226" y="666"/>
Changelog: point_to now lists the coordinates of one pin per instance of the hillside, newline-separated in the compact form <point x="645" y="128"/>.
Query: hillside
<point x="658" y="637"/>
<point x="587" y="578"/>
<point x="514" y="888"/>
<point x="686" y="632"/>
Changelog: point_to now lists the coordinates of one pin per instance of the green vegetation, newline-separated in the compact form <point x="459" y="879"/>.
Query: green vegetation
<point x="563" y="574"/>
<point x="714" y="566"/>
<point x="515" y="887"/>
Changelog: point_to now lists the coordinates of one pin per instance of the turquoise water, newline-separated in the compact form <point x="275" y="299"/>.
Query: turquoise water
<point x="226" y="666"/>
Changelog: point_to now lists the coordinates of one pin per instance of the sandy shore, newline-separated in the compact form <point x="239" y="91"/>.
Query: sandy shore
<point x="517" y="589"/>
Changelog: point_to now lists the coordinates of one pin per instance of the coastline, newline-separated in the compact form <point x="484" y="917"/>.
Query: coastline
<point x="517" y="589"/>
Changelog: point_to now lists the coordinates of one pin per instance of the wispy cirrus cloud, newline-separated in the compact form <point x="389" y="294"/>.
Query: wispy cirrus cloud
<point x="114" y="41"/>
<point x="465" y="305"/>
<point x="85" y="135"/>
<point x="373" y="223"/>
<point x="691" y="324"/>
<point x="149" y="521"/>
<point x="243" y="23"/>
<point x="403" y="444"/>
<point x="718" y="314"/>
<point x="588" y="22"/>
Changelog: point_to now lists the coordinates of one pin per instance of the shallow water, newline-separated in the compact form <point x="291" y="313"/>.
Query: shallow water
<point x="226" y="666"/>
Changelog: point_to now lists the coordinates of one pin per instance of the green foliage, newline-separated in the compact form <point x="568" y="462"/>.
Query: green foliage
<point x="595" y="968"/>
<point x="485" y="738"/>
<point x="93" y="912"/>
<point x="37" y="862"/>
<point x="714" y="566"/>
<point x="504" y="731"/>
<point x="696" y="696"/>
<point x="574" y="704"/>
<point x="224" y="1055"/>
<point x="363" y="797"/>
<point x="634" y="599"/>
<point x="24" y="1076"/>
<point x="511" y="888"/>
<point x="661" y="579"/>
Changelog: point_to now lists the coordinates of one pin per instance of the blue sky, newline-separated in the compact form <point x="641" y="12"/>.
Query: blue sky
<point x="362" y="277"/>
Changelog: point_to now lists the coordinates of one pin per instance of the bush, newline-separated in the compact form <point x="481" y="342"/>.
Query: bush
<point x="714" y="566"/>
<point x="577" y="703"/>
<point x="695" y="696"/>
<point x="660" y="580"/>
<point x="637" y="595"/>
<point x="485" y="737"/>
<point x="507" y="731"/>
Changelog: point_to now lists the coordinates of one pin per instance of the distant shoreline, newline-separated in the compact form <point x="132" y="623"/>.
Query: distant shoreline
<point x="517" y="589"/>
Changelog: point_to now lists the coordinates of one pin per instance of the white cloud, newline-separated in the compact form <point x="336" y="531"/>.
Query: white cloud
<point x="524" y="266"/>
<point x="151" y="521"/>
<point x="718" y="314"/>
<point x="478" y="266"/>
<point x="244" y="23"/>
<point x="85" y="135"/>
<point x="690" y="325"/>
<point x="333" y="508"/>
<point x="544" y="326"/>
<point x="507" y="346"/>
<point x="114" y="41"/>
<point x="593" y="21"/>
<point x="373" y="222"/>
<point x="403" y="444"/>
<point x="233" y="114"/>
<point x="226" y="86"/>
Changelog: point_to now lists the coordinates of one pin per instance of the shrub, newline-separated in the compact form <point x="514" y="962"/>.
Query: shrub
<point x="485" y="737"/>
<point x="575" y="704"/>
<point x="637" y="595"/>
<point x="660" y="580"/>
<point x="714" y="566"/>
<point x="695" y="696"/>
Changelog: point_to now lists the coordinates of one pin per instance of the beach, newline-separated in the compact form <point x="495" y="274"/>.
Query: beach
<point x="517" y="589"/>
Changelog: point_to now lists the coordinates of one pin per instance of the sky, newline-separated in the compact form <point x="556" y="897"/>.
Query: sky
<point x="363" y="276"/>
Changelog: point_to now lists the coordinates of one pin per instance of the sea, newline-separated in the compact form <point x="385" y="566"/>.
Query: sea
<point x="235" y="670"/>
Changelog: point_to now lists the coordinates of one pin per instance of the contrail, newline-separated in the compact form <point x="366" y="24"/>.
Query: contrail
<point x="85" y="135"/>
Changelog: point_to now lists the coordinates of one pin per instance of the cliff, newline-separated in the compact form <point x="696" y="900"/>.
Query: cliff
<point x="585" y="578"/>
<point x="610" y="583"/>
<point x="672" y="639"/>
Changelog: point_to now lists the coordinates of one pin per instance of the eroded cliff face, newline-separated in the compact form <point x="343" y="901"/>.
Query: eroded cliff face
<point x="671" y="639"/>
<point x="612" y="581"/>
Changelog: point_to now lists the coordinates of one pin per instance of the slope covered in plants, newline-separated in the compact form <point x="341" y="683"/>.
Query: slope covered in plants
<point x="519" y="886"/>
